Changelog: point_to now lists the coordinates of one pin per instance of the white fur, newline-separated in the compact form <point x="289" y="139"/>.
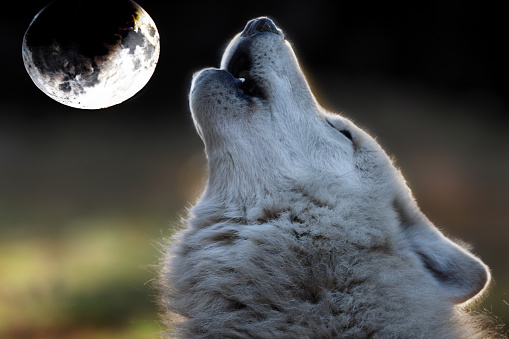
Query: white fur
<point x="301" y="232"/>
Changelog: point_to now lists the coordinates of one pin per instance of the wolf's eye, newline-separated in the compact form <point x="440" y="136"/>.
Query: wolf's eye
<point x="345" y="132"/>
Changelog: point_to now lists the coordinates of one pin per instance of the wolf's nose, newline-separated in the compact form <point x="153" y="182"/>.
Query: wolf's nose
<point x="260" y="25"/>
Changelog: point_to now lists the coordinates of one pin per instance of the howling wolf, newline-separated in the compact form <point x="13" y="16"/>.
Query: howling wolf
<point x="305" y="228"/>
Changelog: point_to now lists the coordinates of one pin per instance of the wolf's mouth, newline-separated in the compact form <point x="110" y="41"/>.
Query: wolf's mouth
<point x="240" y="67"/>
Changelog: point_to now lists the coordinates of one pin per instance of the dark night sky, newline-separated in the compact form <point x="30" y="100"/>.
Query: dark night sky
<point x="452" y="46"/>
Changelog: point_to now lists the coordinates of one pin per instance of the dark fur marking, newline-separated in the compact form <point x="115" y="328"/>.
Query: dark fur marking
<point x="270" y="214"/>
<point x="315" y="201"/>
<point x="226" y="238"/>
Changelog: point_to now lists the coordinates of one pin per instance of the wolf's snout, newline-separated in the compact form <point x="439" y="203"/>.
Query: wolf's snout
<point x="259" y="25"/>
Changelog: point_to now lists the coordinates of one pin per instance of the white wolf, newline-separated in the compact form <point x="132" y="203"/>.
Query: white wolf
<point x="305" y="228"/>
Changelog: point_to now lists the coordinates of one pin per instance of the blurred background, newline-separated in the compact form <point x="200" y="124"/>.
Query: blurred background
<point x="86" y="197"/>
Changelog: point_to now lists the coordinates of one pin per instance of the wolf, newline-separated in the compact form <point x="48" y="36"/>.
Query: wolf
<point x="305" y="228"/>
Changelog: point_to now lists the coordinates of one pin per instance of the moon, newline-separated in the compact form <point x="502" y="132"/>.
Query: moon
<point x="91" y="54"/>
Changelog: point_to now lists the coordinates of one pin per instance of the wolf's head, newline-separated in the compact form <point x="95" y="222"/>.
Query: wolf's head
<point x="266" y="138"/>
<point x="262" y="126"/>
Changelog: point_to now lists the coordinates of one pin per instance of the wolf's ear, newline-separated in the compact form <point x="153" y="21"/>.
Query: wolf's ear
<point x="452" y="267"/>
